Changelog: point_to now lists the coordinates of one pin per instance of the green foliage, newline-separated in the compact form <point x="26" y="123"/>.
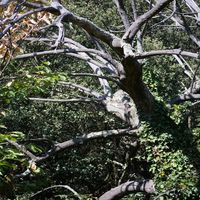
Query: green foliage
<point x="11" y="160"/>
<point x="36" y="81"/>
<point x="9" y="157"/>
<point x="173" y="157"/>
<point x="163" y="75"/>
<point x="171" y="150"/>
<point x="168" y="150"/>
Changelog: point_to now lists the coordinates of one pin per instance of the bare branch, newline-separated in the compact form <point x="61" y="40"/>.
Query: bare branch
<point x="184" y="97"/>
<point x="96" y="68"/>
<point x="95" y="65"/>
<point x="74" y="142"/>
<point x="186" y="68"/>
<point x="113" y="41"/>
<point x="111" y="78"/>
<point x="167" y="17"/>
<point x="180" y="23"/>
<point x="129" y="187"/>
<point x="81" y="89"/>
<point x="110" y="65"/>
<point x="167" y="52"/>
<point x="67" y="52"/>
<point x="131" y="32"/>
<point x="122" y="12"/>
<point x="139" y="33"/>
<point x="85" y="138"/>
<point x="113" y="66"/>
<point x="134" y="10"/>
<point x="84" y="100"/>
<point x="194" y="8"/>
<point x="183" y="23"/>
<point x="84" y="23"/>
<point x="61" y="31"/>
<point x="38" y="194"/>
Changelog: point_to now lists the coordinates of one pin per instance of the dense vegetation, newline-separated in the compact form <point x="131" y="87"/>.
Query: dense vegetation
<point x="86" y="109"/>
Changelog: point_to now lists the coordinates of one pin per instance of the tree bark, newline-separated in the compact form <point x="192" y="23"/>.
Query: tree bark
<point x="134" y="85"/>
<point x="128" y="187"/>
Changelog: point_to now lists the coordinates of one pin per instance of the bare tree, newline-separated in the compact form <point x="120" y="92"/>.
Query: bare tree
<point x="125" y="68"/>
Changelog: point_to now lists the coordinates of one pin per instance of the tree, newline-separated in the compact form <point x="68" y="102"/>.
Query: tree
<point x="34" y="30"/>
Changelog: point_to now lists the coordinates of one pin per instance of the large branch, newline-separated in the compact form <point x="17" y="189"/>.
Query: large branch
<point x="111" y="65"/>
<point x="84" y="23"/>
<point x="120" y="191"/>
<point x="74" y="142"/>
<point x="92" y="29"/>
<point x="85" y="138"/>
<point x="131" y="71"/>
<point x="131" y="32"/>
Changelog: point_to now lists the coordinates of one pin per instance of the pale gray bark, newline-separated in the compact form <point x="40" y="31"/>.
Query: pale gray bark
<point x="128" y="187"/>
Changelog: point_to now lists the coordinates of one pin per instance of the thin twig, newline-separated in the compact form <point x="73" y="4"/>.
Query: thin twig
<point x="36" y="195"/>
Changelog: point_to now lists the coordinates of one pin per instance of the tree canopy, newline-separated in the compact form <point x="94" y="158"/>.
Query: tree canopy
<point x="99" y="99"/>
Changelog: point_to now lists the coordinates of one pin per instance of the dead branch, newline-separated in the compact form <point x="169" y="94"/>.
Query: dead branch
<point x="122" y="12"/>
<point x="85" y="100"/>
<point x="85" y="138"/>
<point x="131" y="32"/>
<point x="167" y="52"/>
<point x="184" y="97"/>
<point x="120" y="191"/>
<point x="40" y="193"/>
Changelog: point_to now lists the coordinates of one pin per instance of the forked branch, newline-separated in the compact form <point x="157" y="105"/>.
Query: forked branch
<point x="135" y="27"/>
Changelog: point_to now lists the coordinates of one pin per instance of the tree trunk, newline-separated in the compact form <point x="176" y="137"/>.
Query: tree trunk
<point x="134" y="85"/>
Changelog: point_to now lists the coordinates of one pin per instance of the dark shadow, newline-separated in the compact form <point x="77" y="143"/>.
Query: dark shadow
<point x="182" y="137"/>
